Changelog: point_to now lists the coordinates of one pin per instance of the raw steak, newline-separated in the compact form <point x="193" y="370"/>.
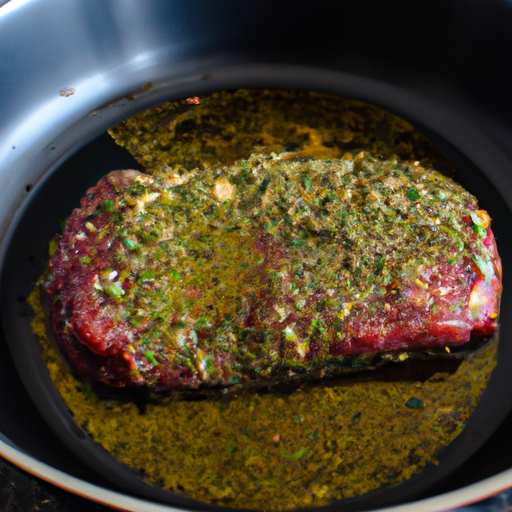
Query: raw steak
<point x="268" y="269"/>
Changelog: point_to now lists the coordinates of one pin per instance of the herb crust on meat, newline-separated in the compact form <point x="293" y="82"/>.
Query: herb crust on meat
<point x="268" y="268"/>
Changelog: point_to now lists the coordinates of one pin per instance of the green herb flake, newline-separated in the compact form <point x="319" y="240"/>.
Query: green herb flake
<point x="456" y="236"/>
<point x="300" y="305"/>
<point x="202" y="322"/>
<point x="52" y="247"/>
<point x="146" y="275"/>
<point x="316" y="323"/>
<point x="114" y="291"/>
<point x="306" y="180"/>
<point x="300" y="453"/>
<point x="482" y="232"/>
<point x="174" y="273"/>
<point x="130" y="243"/>
<point x="477" y="225"/>
<point x="151" y="357"/>
<point x="413" y="194"/>
<point x="314" y="436"/>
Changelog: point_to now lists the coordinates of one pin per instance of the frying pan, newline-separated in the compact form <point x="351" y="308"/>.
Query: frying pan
<point x="68" y="78"/>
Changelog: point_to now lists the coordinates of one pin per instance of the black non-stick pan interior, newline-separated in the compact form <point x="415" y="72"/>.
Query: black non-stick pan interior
<point x="25" y="261"/>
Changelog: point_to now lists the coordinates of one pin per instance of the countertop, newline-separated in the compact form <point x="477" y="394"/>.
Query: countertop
<point x="22" y="492"/>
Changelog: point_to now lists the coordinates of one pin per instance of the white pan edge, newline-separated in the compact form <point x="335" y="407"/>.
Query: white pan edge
<point x="454" y="499"/>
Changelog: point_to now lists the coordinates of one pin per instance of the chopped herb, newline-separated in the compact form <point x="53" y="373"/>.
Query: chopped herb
<point x="146" y="275"/>
<point x="202" y="322"/>
<point x="52" y="247"/>
<point x="482" y="232"/>
<point x="298" y="454"/>
<point x="314" y="436"/>
<point x="151" y="357"/>
<point x="174" y="273"/>
<point x="114" y="291"/>
<point x="306" y="180"/>
<point x="130" y="243"/>
<point x="413" y="194"/>
<point x="456" y="236"/>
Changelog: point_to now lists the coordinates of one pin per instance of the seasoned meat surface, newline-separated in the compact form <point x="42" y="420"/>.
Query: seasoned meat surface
<point x="269" y="267"/>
